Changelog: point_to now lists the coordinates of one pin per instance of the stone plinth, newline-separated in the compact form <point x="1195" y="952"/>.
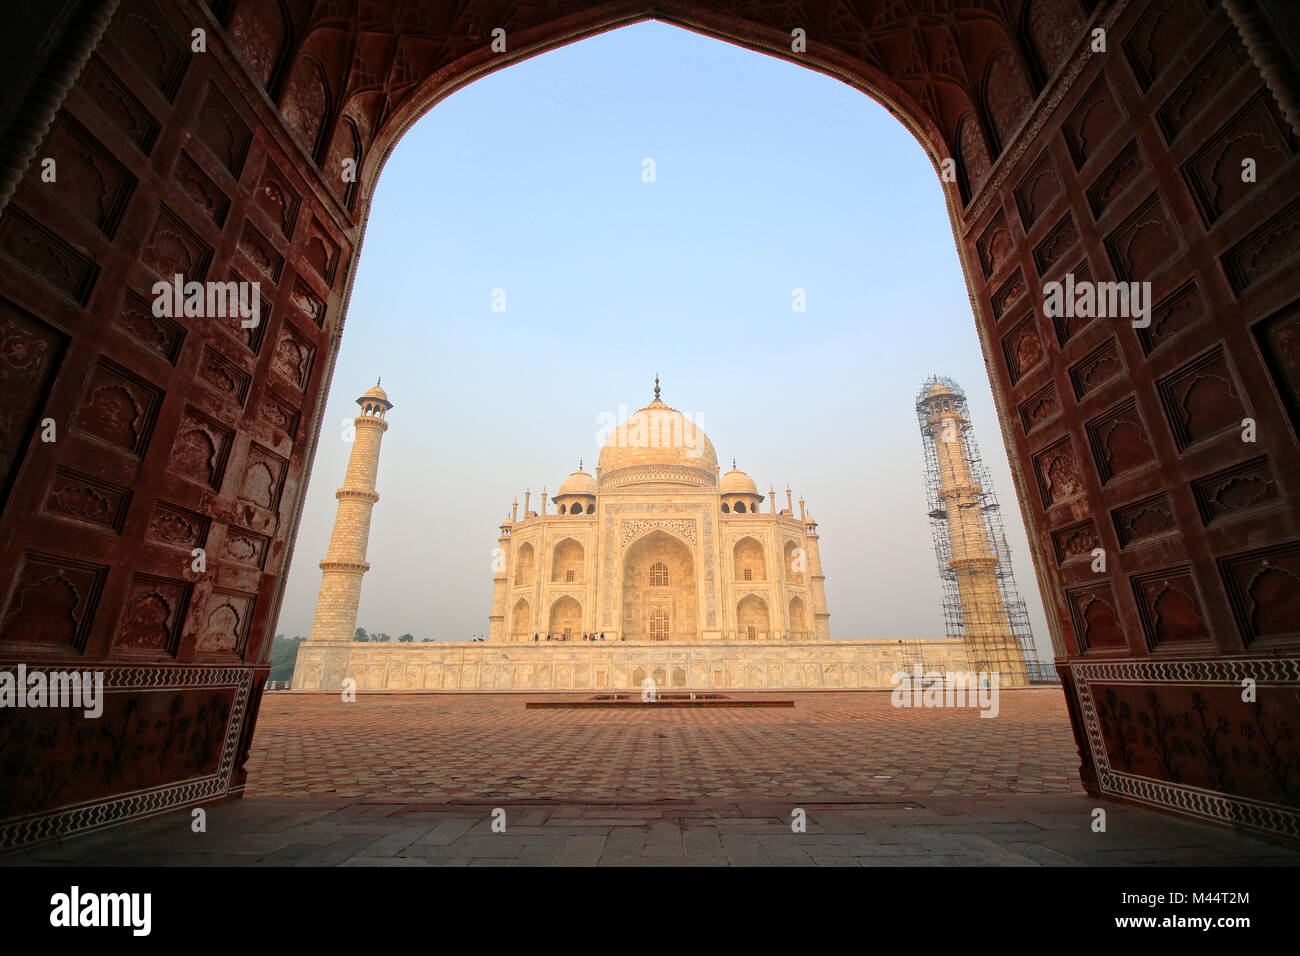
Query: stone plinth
<point x="583" y="665"/>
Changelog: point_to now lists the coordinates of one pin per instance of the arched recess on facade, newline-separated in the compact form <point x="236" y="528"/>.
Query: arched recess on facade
<point x="748" y="561"/>
<point x="343" y="162"/>
<point x="1049" y="29"/>
<point x="795" y="563"/>
<point x="973" y="161"/>
<point x="1006" y="97"/>
<point x="306" y="105"/>
<point x="798" y="619"/>
<point x="263" y="32"/>
<point x="753" y="623"/>
<point x="521" y="620"/>
<point x="567" y="560"/>
<point x="566" y="616"/>
<point x="660" y="596"/>
<point x="524" y="562"/>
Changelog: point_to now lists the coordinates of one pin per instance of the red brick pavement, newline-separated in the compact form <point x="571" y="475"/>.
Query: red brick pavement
<point x="832" y="746"/>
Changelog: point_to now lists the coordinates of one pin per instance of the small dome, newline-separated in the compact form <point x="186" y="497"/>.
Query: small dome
<point x="736" y="482"/>
<point x="578" y="483"/>
<point x="375" y="393"/>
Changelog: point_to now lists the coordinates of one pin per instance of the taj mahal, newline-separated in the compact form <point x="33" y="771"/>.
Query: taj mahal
<point x="658" y="566"/>
<point x="659" y="546"/>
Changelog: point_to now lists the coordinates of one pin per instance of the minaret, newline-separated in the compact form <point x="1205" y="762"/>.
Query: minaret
<point x="345" y="562"/>
<point x="817" y="580"/>
<point x="501" y="562"/>
<point x="972" y="563"/>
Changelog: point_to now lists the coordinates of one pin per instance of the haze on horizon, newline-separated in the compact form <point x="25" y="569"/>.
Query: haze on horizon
<point x="768" y="178"/>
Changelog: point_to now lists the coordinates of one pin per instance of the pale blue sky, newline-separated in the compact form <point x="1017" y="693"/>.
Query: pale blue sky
<point x="770" y="177"/>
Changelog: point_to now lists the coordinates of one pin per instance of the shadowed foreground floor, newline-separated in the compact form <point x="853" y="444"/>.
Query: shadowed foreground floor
<point x="413" y="780"/>
<point x="1009" y="830"/>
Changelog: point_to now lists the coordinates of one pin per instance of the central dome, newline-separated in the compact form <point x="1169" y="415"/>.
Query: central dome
<point x="661" y="444"/>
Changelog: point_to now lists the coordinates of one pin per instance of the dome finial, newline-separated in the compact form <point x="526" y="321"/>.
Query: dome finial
<point x="656" y="386"/>
<point x="379" y="381"/>
<point x="579" y="464"/>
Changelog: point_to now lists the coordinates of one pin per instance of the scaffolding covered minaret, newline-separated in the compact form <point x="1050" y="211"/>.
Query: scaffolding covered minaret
<point x="981" y="604"/>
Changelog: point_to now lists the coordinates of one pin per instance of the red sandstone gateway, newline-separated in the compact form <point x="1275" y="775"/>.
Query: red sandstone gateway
<point x="1090" y="138"/>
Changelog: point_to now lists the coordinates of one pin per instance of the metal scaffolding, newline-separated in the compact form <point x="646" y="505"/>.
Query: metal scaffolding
<point x="980" y="624"/>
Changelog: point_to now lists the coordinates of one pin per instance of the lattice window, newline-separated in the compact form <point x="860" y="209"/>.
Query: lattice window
<point x="749" y="574"/>
<point x="751" y="633"/>
<point x="568" y="575"/>
<point x="659" y="624"/>
<point x="659" y="575"/>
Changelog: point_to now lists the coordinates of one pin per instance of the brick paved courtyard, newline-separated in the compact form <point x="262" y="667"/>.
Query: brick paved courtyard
<point x="413" y="780"/>
<point x="829" y="746"/>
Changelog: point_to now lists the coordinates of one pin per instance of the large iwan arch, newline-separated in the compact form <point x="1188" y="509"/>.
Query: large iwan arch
<point x="660" y="595"/>
<point x="1055" y="158"/>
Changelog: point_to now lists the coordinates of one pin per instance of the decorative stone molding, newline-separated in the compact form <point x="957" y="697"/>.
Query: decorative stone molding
<point x="674" y="473"/>
<point x="629" y="531"/>
<point x="614" y="665"/>
<point x="1119" y="700"/>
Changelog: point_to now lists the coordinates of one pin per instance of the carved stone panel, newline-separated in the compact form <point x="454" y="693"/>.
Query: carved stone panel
<point x="1119" y="441"/>
<point x="1148" y="518"/>
<point x="1170" y="608"/>
<point x="177" y="527"/>
<point x="1099" y="366"/>
<point x="1180" y="310"/>
<point x="118" y="408"/>
<point x="1057" y="471"/>
<point x="29" y="354"/>
<point x="1092" y="121"/>
<point x="92" y="501"/>
<point x="201" y="449"/>
<point x="1041" y="407"/>
<point x="1076" y="541"/>
<point x="52" y="601"/>
<point x="1144" y="243"/>
<point x="1244" y="489"/>
<point x="152" y="617"/>
<point x="1264" y="588"/>
<point x="1202" y="399"/>
<point x="1096" y="618"/>
<point x="1023" y="348"/>
<point x="226" y="621"/>
<point x="1278" y="338"/>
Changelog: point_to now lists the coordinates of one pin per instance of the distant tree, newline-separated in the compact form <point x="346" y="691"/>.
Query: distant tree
<point x="360" y="635"/>
<point x="284" y="653"/>
<point x="380" y="636"/>
<point x="407" y="638"/>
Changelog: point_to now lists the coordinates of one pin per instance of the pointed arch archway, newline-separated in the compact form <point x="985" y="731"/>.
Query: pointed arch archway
<point x="798" y="619"/>
<point x="753" y="621"/>
<point x="748" y="560"/>
<point x="1105" y="173"/>
<point x="565" y="619"/>
<point x="568" y="559"/>
<point x="521" y="621"/>
<point x="659" y="600"/>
